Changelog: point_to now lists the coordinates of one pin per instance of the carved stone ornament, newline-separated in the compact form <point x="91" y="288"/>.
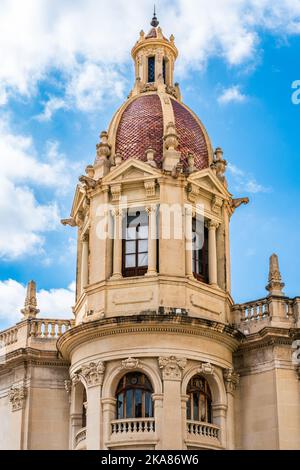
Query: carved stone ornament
<point x="116" y="191"/>
<point x="206" y="368"/>
<point x="172" y="367"/>
<point x="75" y="379"/>
<point x="68" y="386"/>
<point x="216" y="204"/>
<point x="93" y="373"/>
<point x="231" y="380"/>
<point x="130" y="363"/>
<point x="150" y="188"/>
<point x="17" y="396"/>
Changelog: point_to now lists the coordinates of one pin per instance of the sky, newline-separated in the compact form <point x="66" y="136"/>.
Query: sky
<point x="66" y="67"/>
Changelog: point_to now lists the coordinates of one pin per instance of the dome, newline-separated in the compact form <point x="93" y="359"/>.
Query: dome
<point x="141" y="126"/>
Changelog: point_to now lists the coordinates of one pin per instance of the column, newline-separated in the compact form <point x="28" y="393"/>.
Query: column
<point x="231" y="380"/>
<point x="84" y="261"/>
<point x="117" y="261"/>
<point x="93" y="374"/>
<point x="152" y="241"/>
<point x="189" y="241"/>
<point x="172" y="368"/>
<point x="109" y="413"/>
<point x="212" y="253"/>
<point x="158" y="415"/>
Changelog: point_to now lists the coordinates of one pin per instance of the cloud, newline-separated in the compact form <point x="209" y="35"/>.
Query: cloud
<point x="51" y="106"/>
<point x="87" y="42"/>
<point x="244" y="182"/>
<point x="232" y="95"/>
<point x="26" y="219"/>
<point x="53" y="303"/>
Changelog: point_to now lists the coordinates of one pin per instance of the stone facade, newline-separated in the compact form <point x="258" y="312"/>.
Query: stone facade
<point x="219" y="375"/>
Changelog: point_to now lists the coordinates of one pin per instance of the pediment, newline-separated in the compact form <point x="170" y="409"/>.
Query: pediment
<point x="131" y="170"/>
<point x="208" y="181"/>
<point x="78" y="200"/>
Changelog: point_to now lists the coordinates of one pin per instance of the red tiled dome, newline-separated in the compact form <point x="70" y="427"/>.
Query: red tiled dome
<point x="142" y="127"/>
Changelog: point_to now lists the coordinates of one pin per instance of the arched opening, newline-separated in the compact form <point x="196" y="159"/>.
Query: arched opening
<point x="151" y="69"/>
<point x="134" y="397"/>
<point x="200" y="250"/>
<point x="166" y="71"/>
<point x="199" y="405"/>
<point x="84" y="406"/>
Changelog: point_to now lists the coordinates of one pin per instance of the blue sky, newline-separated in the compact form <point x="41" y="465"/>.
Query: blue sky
<point x="66" y="67"/>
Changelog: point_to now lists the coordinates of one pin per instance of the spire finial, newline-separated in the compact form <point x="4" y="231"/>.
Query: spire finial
<point x="275" y="284"/>
<point x="30" y="309"/>
<point x="154" y="21"/>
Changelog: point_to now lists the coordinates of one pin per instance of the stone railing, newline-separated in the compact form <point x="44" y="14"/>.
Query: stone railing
<point x="40" y="328"/>
<point x="198" y="430"/>
<point x="8" y="337"/>
<point x="252" y="316"/>
<point x="124" y="427"/>
<point x="80" y="436"/>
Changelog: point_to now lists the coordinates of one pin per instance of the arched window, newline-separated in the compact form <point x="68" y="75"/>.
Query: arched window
<point x="135" y="244"/>
<point x="151" y="69"/>
<point x="200" y="251"/>
<point x="134" y="397"/>
<point x="166" y="70"/>
<point x="199" y="402"/>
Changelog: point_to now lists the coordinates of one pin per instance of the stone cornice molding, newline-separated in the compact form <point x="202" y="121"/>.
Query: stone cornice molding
<point x="32" y="357"/>
<point x="172" y="367"/>
<point x="219" y="332"/>
<point x="268" y="336"/>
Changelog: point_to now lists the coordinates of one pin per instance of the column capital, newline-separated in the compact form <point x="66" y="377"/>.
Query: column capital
<point x="172" y="367"/>
<point x="93" y="373"/>
<point x="212" y="224"/>
<point x="17" y="396"/>
<point x="231" y="379"/>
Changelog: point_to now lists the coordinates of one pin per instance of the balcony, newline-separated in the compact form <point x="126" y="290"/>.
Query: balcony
<point x="202" y="435"/>
<point x="80" y="440"/>
<point x="133" y="432"/>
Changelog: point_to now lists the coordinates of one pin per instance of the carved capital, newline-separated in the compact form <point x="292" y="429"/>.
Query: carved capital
<point x="216" y="204"/>
<point x="172" y="367"/>
<point x="130" y="363"/>
<point x="17" y="397"/>
<point x="231" y="380"/>
<point x="68" y="386"/>
<point x="149" y="188"/>
<point x="116" y="191"/>
<point x="93" y="373"/>
<point x="212" y="224"/>
<point x="206" y="368"/>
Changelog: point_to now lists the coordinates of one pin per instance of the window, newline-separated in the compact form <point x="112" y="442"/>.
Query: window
<point x="84" y="402"/>
<point x="134" y="397"/>
<point x="165" y="63"/>
<point x="200" y="251"/>
<point x="151" y="69"/>
<point x="135" y="244"/>
<point x="199" y="402"/>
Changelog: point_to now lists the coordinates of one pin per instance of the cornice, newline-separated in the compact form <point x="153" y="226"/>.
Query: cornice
<point x="31" y="356"/>
<point x="148" y="323"/>
<point x="268" y="336"/>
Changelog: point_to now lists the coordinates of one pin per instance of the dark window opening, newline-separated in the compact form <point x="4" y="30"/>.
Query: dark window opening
<point x="151" y="69"/>
<point x="165" y="70"/>
<point x="84" y="403"/>
<point x="134" y="397"/>
<point x="135" y="244"/>
<point x="200" y="251"/>
<point x="199" y="401"/>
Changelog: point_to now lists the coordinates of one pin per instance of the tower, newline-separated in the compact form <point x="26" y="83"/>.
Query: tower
<point x="153" y="343"/>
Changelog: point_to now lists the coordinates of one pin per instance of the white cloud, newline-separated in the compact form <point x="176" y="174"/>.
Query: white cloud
<point x="53" y="303"/>
<point x="244" y="182"/>
<point x="88" y="42"/>
<point x="232" y="95"/>
<point x="25" y="219"/>
<point x="54" y="104"/>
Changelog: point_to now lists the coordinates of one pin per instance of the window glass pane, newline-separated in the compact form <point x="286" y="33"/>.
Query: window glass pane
<point x="196" y="406"/>
<point x="143" y="232"/>
<point x="151" y="69"/>
<point x="202" y="408"/>
<point x="148" y="405"/>
<point x="120" y="406"/>
<point x="131" y="233"/>
<point x="188" y="409"/>
<point x="130" y="247"/>
<point x="138" y="404"/>
<point x="129" y="404"/>
<point x="143" y="246"/>
<point x="143" y="259"/>
<point x="130" y="261"/>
